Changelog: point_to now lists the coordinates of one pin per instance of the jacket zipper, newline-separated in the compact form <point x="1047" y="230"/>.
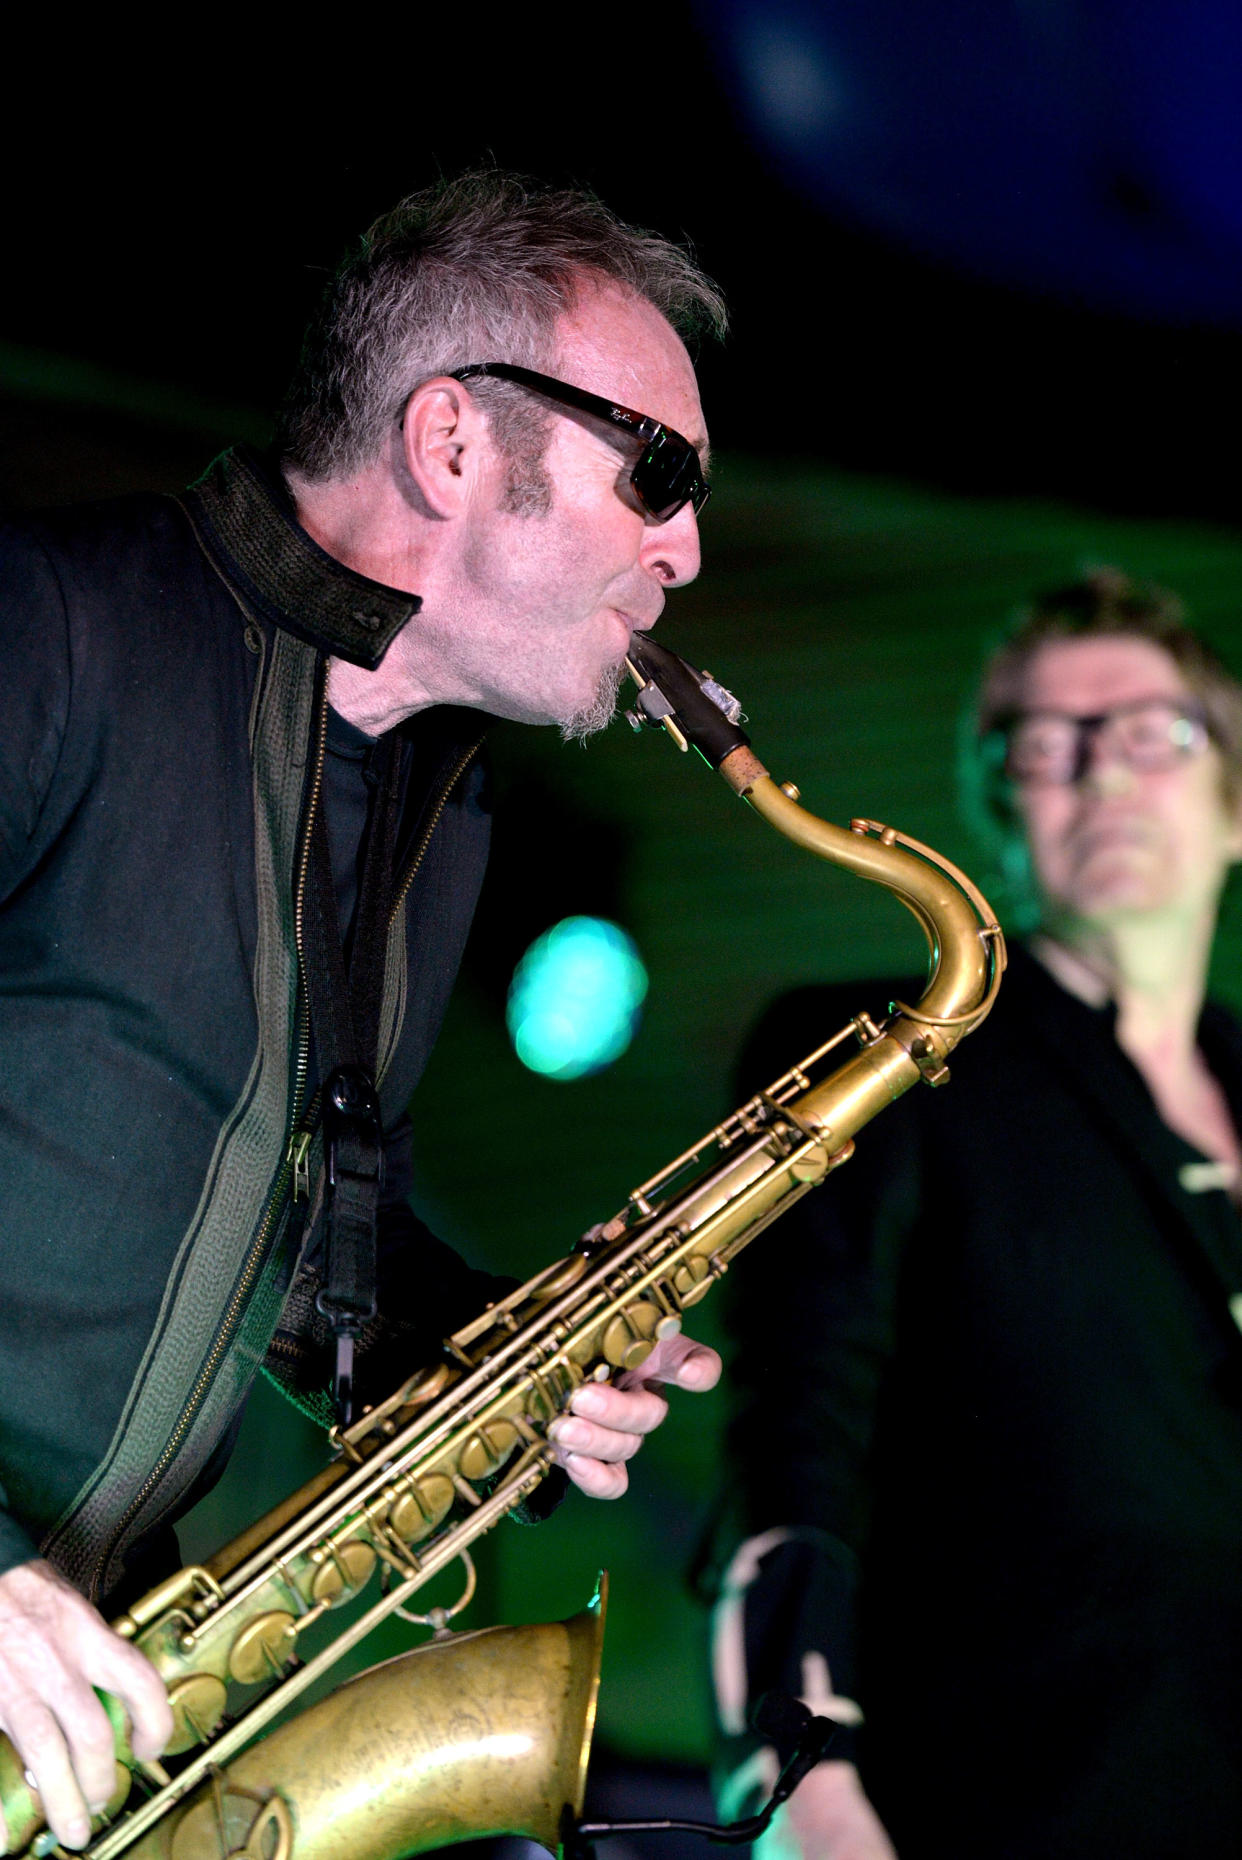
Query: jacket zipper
<point x="416" y="857"/>
<point x="275" y="1200"/>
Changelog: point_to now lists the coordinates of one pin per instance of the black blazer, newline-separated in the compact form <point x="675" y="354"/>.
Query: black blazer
<point x="995" y="1357"/>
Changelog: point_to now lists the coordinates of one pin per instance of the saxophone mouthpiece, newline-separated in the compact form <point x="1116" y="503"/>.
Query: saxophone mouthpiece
<point x="688" y="704"/>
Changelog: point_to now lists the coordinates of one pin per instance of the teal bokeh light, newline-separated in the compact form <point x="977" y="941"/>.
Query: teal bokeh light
<point x="575" y="998"/>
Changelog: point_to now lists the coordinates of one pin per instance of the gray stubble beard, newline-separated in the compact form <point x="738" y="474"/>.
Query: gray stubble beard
<point x="598" y="714"/>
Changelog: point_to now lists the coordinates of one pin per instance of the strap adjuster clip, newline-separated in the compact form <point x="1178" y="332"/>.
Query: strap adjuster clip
<point x="351" y="1110"/>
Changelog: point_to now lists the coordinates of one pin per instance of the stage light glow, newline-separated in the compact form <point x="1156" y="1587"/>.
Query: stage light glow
<point x="575" y="998"/>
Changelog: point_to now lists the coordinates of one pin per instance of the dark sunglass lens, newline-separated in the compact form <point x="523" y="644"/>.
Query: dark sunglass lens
<point x="668" y="476"/>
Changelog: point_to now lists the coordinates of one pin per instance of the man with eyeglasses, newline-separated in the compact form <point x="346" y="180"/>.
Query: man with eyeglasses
<point x="991" y="1511"/>
<point x="243" y="819"/>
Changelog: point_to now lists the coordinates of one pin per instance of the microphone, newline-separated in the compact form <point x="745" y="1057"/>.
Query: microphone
<point x="785" y="1721"/>
<point x="776" y="1716"/>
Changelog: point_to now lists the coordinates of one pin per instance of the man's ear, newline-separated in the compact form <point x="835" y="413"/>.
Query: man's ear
<point x="446" y="441"/>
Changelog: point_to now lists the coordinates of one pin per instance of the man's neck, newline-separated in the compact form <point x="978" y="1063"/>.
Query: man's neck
<point x="375" y="701"/>
<point x="1154" y="972"/>
<point x="1157" y="980"/>
<point x="352" y="519"/>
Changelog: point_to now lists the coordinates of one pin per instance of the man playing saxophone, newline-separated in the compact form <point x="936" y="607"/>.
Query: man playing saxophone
<point x="243" y="818"/>
<point x="991" y="1483"/>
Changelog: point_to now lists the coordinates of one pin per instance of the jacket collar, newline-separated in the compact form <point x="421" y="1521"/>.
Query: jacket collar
<point x="246" y="521"/>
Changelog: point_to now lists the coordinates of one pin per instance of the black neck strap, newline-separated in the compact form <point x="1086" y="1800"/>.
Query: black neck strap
<point x="345" y="1002"/>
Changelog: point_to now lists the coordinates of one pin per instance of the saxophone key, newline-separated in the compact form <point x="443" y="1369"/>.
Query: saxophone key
<point x="420" y="1506"/>
<point x="198" y="1703"/>
<point x="815" y="1163"/>
<point x="263" y="1648"/>
<point x="558" y="1278"/>
<point x="122" y="1783"/>
<point x="693" y="1279"/>
<point x="23" y="1806"/>
<point x="235" y="1822"/>
<point x="630" y="1337"/>
<point x="343" y="1570"/>
<point x="485" y="1452"/>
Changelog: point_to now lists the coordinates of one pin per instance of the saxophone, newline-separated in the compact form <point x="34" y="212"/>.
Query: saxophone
<point x="488" y="1732"/>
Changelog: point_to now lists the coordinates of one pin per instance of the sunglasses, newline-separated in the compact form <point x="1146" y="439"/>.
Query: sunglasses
<point x="668" y="473"/>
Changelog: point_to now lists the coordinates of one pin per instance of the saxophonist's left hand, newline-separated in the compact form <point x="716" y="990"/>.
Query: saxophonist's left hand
<point x="606" y="1421"/>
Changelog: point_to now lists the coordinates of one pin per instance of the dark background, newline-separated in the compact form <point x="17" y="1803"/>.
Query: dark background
<point x="983" y="264"/>
<point x="1001" y="252"/>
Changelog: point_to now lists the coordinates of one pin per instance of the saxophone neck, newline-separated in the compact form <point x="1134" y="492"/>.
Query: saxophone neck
<point x="966" y="950"/>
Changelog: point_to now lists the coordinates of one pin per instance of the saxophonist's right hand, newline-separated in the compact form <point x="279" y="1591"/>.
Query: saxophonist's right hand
<point x="54" y="1650"/>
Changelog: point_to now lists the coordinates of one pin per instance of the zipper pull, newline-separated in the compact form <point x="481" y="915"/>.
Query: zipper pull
<point x="299" y="1150"/>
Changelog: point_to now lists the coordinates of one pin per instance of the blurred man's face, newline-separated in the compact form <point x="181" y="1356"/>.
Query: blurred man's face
<point x="1122" y="842"/>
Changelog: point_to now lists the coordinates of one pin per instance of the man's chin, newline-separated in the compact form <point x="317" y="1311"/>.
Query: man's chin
<point x="598" y="714"/>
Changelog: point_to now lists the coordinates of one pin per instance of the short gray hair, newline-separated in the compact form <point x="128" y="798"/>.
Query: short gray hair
<point x="475" y="269"/>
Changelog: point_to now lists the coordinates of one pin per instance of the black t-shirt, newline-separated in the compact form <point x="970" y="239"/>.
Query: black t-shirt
<point x="348" y="794"/>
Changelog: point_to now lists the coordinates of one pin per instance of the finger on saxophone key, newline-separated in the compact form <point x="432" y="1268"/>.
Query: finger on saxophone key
<point x="607" y="1422"/>
<point x="55" y="1651"/>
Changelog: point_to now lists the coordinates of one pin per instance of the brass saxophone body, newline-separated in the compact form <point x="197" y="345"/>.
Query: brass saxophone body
<point x="446" y="1744"/>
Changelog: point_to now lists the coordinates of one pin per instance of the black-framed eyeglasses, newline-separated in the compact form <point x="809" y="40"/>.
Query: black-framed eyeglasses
<point x="668" y="474"/>
<point x="1053" y="747"/>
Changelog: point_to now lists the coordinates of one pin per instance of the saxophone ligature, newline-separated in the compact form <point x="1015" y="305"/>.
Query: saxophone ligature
<point x="488" y="1732"/>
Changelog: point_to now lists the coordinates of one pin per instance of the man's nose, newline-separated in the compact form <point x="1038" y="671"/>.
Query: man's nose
<point x="670" y="551"/>
<point x="1104" y="769"/>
